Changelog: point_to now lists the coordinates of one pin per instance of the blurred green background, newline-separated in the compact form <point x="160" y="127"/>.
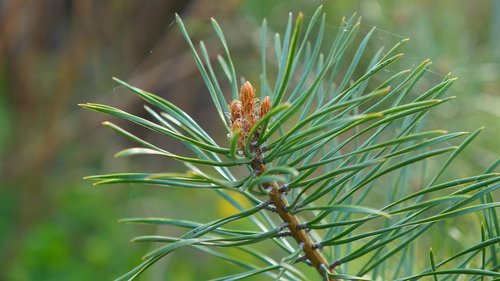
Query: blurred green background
<point x="56" y="54"/>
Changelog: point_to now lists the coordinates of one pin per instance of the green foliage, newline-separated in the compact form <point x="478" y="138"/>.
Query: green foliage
<point x="334" y="141"/>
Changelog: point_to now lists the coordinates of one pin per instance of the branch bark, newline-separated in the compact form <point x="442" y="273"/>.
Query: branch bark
<point x="312" y="253"/>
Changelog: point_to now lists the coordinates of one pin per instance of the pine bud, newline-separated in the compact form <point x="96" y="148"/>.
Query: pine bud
<point x="235" y="110"/>
<point x="246" y="111"/>
<point x="265" y="105"/>
<point x="247" y="98"/>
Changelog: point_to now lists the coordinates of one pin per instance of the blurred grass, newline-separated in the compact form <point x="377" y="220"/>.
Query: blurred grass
<point x="55" y="54"/>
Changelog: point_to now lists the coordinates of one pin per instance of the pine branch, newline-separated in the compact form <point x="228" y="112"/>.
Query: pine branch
<point x="331" y="138"/>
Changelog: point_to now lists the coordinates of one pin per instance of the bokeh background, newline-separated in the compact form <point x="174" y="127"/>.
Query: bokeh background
<point x="55" y="54"/>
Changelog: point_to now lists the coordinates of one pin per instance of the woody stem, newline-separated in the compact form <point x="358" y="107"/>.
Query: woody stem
<point x="311" y="251"/>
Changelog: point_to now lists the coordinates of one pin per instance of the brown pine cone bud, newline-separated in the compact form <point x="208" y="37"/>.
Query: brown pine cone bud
<point x="246" y="111"/>
<point x="265" y="105"/>
<point x="247" y="98"/>
<point x="235" y="110"/>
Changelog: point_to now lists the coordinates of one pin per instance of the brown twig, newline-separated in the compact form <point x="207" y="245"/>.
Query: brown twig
<point x="311" y="251"/>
